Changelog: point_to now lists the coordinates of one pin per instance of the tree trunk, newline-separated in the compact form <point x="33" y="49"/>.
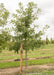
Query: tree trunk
<point x="21" y="58"/>
<point x="26" y="59"/>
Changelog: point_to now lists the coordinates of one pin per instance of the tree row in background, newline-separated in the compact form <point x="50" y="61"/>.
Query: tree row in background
<point x="47" y="41"/>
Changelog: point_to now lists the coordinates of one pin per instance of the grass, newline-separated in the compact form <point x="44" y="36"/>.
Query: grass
<point x="29" y="62"/>
<point x="29" y="56"/>
<point x="9" y="64"/>
<point x="49" y="46"/>
<point x="44" y="51"/>
<point x="9" y="57"/>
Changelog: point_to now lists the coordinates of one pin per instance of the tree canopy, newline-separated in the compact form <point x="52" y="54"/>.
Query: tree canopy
<point x="4" y="13"/>
<point x="23" y="20"/>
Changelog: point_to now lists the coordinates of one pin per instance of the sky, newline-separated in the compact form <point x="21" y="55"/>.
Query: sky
<point x="46" y="16"/>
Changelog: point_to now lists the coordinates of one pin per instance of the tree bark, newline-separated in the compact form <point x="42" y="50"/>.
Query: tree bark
<point x="26" y="59"/>
<point x="21" y="58"/>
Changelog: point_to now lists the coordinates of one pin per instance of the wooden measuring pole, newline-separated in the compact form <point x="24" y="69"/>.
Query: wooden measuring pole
<point x="21" y="58"/>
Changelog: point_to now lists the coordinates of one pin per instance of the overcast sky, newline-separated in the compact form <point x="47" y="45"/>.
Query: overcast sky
<point x="47" y="14"/>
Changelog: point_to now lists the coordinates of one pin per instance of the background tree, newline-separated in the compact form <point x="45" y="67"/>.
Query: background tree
<point x="5" y="37"/>
<point x="47" y="40"/>
<point x="14" y="44"/>
<point x="3" y="21"/>
<point x="51" y="41"/>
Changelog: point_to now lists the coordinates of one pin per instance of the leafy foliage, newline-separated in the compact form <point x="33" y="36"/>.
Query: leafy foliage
<point x="3" y="15"/>
<point x="5" y="37"/>
<point x="22" y="20"/>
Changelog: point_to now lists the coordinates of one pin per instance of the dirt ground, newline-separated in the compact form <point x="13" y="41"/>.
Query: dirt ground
<point x="10" y="60"/>
<point x="17" y="69"/>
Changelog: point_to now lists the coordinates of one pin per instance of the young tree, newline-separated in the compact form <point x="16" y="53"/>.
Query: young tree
<point x="3" y="15"/>
<point x="23" y="20"/>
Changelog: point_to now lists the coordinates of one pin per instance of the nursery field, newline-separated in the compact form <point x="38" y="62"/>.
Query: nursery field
<point x="42" y="56"/>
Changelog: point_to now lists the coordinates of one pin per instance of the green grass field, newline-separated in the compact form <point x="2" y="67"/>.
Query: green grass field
<point x="44" y="51"/>
<point x="43" y="56"/>
<point x="29" y="62"/>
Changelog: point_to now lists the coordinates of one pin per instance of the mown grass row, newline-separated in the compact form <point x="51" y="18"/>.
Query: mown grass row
<point x="47" y="48"/>
<point x="29" y="62"/>
<point x="9" y="57"/>
<point x="41" y="53"/>
<point x="10" y="53"/>
<point x="29" y="56"/>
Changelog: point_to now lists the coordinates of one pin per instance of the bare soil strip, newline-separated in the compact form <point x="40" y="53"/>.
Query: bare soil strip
<point x="17" y="69"/>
